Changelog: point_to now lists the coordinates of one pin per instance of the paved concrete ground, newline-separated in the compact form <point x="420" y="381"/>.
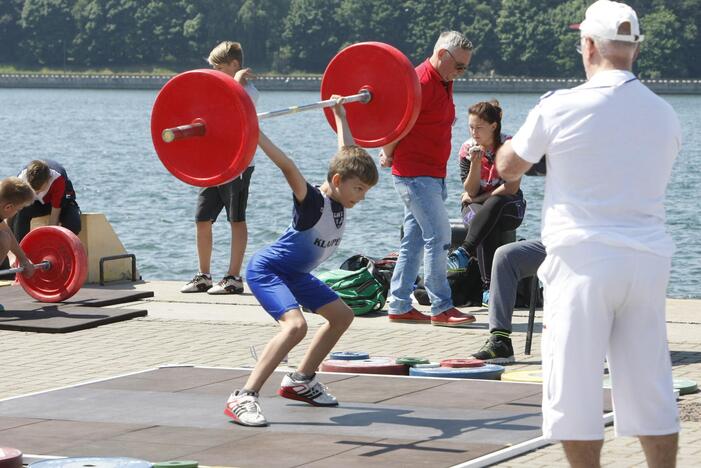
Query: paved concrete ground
<point x="219" y="331"/>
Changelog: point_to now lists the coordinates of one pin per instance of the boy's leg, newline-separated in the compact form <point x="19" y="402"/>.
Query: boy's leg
<point x="235" y="198"/>
<point x="239" y="240"/>
<point x="293" y="330"/>
<point x="209" y="205"/>
<point x="338" y="318"/>
<point x="23" y="219"/>
<point x="243" y="406"/>
<point x="276" y="298"/>
<point x="70" y="216"/>
<point x="204" y="245"/>
<point x="234" y="195"/>
<point x="303" y="384"/>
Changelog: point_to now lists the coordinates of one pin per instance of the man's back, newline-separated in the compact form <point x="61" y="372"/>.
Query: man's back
<point x="612" y="146"/>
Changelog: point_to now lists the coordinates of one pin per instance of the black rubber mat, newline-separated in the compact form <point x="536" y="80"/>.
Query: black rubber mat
<point x="90" y="296"/>
<point x="59" y="318"/>
<point x="177" y="413"/>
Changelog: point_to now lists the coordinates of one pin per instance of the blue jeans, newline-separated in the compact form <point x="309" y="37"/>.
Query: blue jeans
<point x="427" y="230"/>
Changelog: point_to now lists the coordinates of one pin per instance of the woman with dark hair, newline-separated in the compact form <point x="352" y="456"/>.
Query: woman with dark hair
<point x="490" y="205"/>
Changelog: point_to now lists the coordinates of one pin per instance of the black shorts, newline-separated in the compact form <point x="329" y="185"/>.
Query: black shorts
<point x="233" y="196"/>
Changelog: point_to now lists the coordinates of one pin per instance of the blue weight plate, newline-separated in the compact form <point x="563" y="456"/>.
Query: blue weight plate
<point x="349" y="355"/>
<point x="487" y="372"/>
<point x="92" y="462"/>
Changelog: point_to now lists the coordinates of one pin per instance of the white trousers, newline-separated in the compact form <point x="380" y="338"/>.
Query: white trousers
<point x="608" y="302"/>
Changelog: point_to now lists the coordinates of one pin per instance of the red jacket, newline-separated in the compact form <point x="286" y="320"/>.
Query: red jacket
<point x="425" y="150"/>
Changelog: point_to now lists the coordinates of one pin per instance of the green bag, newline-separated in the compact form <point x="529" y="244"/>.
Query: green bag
<point x="359" y="289"/>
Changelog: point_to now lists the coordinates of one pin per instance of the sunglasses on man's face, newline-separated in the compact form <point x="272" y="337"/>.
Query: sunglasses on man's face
<point x="461" y="67"/>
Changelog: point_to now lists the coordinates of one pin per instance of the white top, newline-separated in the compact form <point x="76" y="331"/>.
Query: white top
<point x="254" y="94"/>
<point x="39" y="196"/>
<point x="610" y="146"/>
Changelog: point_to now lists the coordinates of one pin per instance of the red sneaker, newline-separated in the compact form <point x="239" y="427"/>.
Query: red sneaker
<point x="452" y="318"/>
<point x="413" y="316"/>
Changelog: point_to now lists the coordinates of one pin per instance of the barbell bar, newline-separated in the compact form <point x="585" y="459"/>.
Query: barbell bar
<point x="204" y="127"/>
<point x="39" y="266"/>
<point x="198" y="127"/>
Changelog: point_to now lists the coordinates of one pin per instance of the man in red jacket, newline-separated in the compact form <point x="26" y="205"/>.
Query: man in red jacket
<point x="418" y="164"/>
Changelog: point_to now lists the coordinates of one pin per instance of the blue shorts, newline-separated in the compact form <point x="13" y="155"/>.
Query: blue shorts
<point x="280" y="290"/>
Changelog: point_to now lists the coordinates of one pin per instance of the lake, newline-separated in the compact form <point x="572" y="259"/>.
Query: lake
<point x="103" y="139"/>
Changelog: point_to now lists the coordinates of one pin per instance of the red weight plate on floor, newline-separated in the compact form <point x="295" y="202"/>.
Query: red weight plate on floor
<point x="462" y="363"/>
<point x="10" y="458"/>
<point x="231" y="135"/>
<point x="389" y="76"/>
<point x="374" y="365"/>
<point x="69" y="263"/>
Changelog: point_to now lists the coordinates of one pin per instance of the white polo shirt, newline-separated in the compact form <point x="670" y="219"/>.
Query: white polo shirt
<point x="610" y="146"/>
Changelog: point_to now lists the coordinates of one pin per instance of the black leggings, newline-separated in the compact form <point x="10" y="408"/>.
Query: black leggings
<point x="68" y="218"/>
<point x="485" y="223"/>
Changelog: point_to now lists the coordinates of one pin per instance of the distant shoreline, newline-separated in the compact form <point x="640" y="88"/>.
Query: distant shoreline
<point x="313" y="82"/>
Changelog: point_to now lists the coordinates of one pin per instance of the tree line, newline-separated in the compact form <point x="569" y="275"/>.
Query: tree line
<point x="511" y="37"/>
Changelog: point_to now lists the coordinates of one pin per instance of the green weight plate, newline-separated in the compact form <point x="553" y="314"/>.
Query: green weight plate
<point x="176" y="464"/>
<point x="411" y="361"/>
<point x="685" y="386"/>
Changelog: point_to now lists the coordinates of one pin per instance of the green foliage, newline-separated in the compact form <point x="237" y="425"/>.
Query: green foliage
<point x="511" y="37"/>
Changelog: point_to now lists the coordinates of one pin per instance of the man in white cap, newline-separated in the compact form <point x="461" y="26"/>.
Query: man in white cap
<point x="610" y="146"/>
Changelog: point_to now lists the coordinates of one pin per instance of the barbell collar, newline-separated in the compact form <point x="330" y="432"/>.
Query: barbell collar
<point x="197" y="128"/>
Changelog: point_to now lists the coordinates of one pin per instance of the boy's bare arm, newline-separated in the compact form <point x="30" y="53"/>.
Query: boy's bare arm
<point x="345" y="137"/>
<point x="17" y="251"/>
<point x="289" y="169"/>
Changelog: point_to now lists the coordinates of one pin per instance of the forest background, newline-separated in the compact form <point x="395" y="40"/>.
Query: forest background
<point x="523" y="38"/>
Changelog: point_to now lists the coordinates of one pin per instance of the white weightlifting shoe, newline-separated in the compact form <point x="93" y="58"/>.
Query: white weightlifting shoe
<point x="309" y="391"/>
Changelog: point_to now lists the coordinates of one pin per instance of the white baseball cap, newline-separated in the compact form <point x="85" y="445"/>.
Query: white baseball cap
<point x="604" y="17"/>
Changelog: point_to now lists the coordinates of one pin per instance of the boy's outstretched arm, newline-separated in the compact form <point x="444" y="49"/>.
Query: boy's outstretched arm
<point x="17" y="251"/>
<point x="289" y="169"/>
<point x="345" y="138"/>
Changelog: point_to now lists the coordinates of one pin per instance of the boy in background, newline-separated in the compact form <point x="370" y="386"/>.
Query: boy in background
<point x="227" y="57"/>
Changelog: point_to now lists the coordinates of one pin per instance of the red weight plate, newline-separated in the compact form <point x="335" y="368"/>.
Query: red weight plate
<point x="10" y="458"/>
<point x="373" y="365"/>
<point x="69" y="263"/>
<point x="231" y="134"/>
<point x="390" y="77"/>
<point x="462" y="363"/>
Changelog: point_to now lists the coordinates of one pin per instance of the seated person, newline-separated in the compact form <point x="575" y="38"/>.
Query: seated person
<point x="490" y="205"/>
<point x="15" y="194"/>
<point x="512" y="263"/>
<point x="54" y="197"/>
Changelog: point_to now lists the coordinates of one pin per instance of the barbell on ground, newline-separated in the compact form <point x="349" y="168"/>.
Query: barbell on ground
<point x="60" y="260"/>
<point x="204" y="125"/>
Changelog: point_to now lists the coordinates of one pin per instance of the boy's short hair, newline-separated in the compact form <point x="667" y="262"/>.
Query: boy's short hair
<point x="225" y="52"/>
<point x="16" y="191"/>
<point x="38" y="174"/>
<point x="353" y="161"/>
